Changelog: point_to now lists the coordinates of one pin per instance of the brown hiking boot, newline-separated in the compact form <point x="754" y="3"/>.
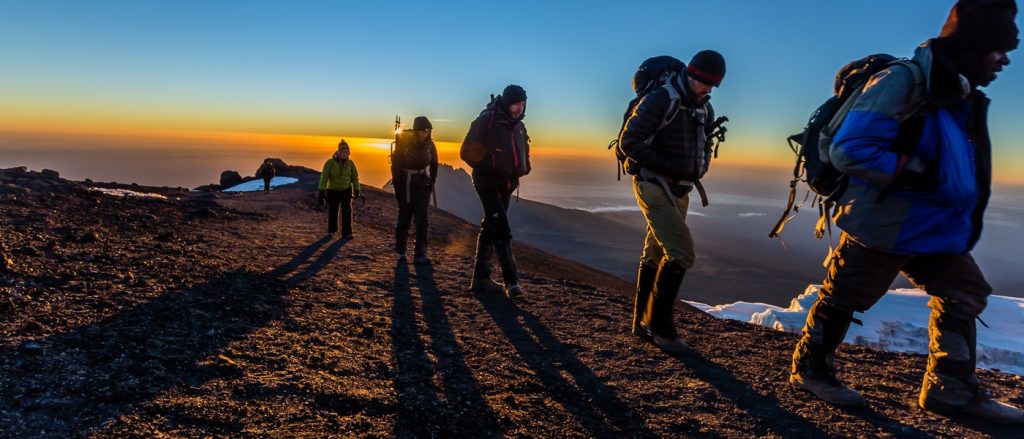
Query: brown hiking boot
<point x="982" y="406"/>
<point x="671" y="344"/>
<point x="828" y="388"/>
<point x="484" y="285"/>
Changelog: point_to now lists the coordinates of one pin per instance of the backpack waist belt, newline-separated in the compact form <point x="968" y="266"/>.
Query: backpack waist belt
<point x="408" y="180"/>
<point x="673" y="188"/>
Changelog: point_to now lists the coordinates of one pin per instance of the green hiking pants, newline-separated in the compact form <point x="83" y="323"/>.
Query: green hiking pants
<point x="858" y="277"/>
<point x="668" y="237"/>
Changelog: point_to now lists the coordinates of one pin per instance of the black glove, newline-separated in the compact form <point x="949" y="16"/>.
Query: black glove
<point x="321" y="198"/>
<point x="355" y="194"/>
<point x="918" y="176"/>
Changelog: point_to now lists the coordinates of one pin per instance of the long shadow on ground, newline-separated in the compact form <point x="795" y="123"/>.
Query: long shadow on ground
<point x="595" y="406"/>
<point x="425" y="409"/>
<point x="69" y="384"/>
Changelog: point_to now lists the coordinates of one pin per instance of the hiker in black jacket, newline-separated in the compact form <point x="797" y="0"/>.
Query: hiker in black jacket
<point x="413" y="175"/>
<point x="267" y="172"/>
<point x="667" y="162"/>
<point x="497" y="148"/>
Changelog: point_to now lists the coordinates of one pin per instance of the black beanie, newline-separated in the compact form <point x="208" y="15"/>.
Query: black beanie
<point x="512" y="94"/>
<point x="981" y="26"/>
<point x="421" y="123"/>
<point x="707" y="66"/>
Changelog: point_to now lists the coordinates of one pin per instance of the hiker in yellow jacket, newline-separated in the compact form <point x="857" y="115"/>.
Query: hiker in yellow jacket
<point x="339" y="184"/>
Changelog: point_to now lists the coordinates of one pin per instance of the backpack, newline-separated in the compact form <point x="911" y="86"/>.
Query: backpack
<point x="413" y="154"/>
<point x="653" y="73"/>
<point x="811" y="146"/>
<point x="521" y="156"/>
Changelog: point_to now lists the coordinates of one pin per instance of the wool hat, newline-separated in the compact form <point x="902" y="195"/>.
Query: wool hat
<point x="981" y="26"/>
<point x="421" y="123"/>
<point x="512" y="94"/>
<point x="342" y="143"/>
<point x="707" y="66"/>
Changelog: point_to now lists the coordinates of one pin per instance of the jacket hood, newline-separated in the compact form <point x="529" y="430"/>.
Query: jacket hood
<point x="943" y="82"/>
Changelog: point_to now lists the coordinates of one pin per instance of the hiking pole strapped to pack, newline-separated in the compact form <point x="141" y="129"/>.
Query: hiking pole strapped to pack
<point x="718" y="131"/>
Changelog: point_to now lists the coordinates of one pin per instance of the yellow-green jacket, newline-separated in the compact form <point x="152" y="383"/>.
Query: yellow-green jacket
<point x="339" y="175"/>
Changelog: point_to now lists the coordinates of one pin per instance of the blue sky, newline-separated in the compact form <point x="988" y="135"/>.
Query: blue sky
<point x="347" y="67"/>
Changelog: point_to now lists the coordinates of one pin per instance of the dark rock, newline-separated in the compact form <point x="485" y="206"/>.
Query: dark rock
<point x="49" y="174"/>
<point x="205" y="212"/>
<point x="28" y="251"/>
<point x="165" y="237"/>
<point x="230" y="178"/>
<point x="89" y="238"/>
<point x="6" y="263"/>
<point x="40" y="185"/>
<point x="282" y="169"/>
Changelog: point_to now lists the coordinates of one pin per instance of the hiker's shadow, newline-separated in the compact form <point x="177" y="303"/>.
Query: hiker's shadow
<point x="464" y="407"/>
<point x="596" y="406"/>
<point x="73" y="383"/>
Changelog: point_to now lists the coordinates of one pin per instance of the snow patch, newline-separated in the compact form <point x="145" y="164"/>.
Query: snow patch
<point x="257" y="185"/>
<point x="124" y="193"/>
<point x="898" y="323"/>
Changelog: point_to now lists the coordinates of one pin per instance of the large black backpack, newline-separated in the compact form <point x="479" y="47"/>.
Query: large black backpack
<point x="811" y="146"/>
<point x="412" y="153"/>
<point x="652" y="74"/>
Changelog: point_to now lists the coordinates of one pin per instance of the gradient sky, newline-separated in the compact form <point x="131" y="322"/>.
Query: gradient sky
<point x="328" y="68"/>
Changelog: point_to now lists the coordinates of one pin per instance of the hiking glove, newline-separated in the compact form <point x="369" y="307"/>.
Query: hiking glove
<point x="321" y="198"/>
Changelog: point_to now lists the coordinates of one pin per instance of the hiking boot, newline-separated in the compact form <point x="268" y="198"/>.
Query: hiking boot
<point x="828" y="388"/>
<point x="661" y="306"/>
<point x="483" y="285"/>
<point x="672" y="344"/>
<point x="514" y="291"/>
<point x="644" y="285"/>
<point x="400" y="257"/>
<point x="982" y="406"/>
<point x="421" y="260"/>
<point x="986" y="408"/>
<point x="347" y="236"/>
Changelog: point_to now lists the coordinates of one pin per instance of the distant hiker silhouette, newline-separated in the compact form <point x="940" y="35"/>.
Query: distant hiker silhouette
<point x="497" y="147"/>
<point x="413" y="175"/>
<point x="267" y="171"/>
<point x="665" y="145"/>
<point x="917" y="209"/>
<point x="339" y="184"/>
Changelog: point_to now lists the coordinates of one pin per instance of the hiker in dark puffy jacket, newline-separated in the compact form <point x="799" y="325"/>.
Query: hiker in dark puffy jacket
<point x="339" y="185"/>
<point x="413" y="175"/>
<point x="267" y="172"/>
<point x="917" y="211"/>
<point x="497" y="148"/>
<point x="666" y="164"/>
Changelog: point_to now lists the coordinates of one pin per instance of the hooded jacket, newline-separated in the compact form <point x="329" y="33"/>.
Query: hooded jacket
<point x="339" y="175"/>
<point x="680" y="150"/>
<point x="497" y="145"/>
<point x="954" y="143"/>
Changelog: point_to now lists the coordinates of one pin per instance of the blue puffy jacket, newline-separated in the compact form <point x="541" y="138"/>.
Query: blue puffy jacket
<point x="944" y="219"/>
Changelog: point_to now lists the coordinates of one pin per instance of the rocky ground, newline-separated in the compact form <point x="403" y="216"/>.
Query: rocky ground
<point x="232" y="315"/>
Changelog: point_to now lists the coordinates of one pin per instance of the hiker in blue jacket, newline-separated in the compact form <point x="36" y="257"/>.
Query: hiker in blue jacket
<point x="917" y="210"/>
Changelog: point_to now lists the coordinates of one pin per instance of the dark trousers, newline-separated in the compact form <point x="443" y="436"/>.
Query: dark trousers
<point x="858" y="277"/>
<point x="414" y="204"/>
<point x="266" y="185"/>
<point x="495" y="231"/>
<point x="342" y="198"/>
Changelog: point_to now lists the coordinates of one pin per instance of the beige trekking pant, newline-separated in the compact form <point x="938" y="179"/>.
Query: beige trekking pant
<point x="668" y="237"/>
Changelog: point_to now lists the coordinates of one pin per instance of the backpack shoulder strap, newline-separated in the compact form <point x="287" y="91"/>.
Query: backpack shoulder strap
<point x="917" y="98"/>
<point x="673" y="109"/>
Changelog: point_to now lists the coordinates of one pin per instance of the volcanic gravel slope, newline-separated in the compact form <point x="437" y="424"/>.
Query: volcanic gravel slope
<point x="233" y="315"/>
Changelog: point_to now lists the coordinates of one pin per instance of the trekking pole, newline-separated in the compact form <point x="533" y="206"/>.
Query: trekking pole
<point x="718" y="131"/>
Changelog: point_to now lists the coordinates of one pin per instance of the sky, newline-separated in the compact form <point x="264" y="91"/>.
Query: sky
<point x="118" y="89"/>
